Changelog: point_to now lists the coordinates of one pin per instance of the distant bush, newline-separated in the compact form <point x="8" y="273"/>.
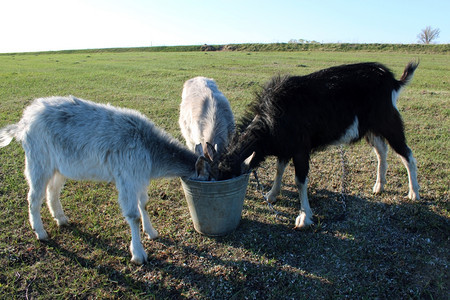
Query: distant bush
<point x="206" y="47"/>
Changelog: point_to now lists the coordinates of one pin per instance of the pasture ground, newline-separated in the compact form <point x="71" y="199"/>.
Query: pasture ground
<point x="382" y="246"/>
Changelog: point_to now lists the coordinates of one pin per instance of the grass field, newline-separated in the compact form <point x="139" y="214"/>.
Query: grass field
<point x="383" y="246"/>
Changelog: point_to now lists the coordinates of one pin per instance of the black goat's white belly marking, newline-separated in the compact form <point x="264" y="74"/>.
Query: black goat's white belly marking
<point x="351" y="134"/>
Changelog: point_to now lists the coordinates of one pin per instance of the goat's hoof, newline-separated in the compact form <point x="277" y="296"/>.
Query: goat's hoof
<point x="271" y="199"/>
<point x="303" y="227"/>
<point x="139" y="256"/>
<point x="153" y="235"/>
<point x="62" y="221"/>
<point x="139" y="259"/>
<point x="378" y="188"/>
<point x="303" y="222"/>
<point x="413" y="196"/>
<point x="42" y="236"/>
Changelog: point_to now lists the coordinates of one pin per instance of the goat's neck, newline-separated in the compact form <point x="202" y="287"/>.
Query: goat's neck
<point x="176" y="161"/>
<point x="247" y="143"/>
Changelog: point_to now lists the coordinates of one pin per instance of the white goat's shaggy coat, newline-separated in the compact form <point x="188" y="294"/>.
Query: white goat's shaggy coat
<point x="78" y="139"/>
<point x="205" y="115"/>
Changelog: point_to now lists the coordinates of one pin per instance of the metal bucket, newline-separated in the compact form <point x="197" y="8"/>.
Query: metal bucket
<point x="215" y="206"/>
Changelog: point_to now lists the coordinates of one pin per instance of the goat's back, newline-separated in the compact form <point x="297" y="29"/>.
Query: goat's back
<point x="355" y="83"/>
<point x="316" y="110"/>
<point x="205" y="114"/>
<point x="332" y="96"/>
<point x="86" y="140"/>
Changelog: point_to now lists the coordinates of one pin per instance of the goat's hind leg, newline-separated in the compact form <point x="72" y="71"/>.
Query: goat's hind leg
<point x="37" y="181"/>
<point x="395" y="136"/>
<point x="411" y="167"/>
<point x="53" y="202"/>
<point x="380" y="148"/>
<point x="410" y="164"/>
<point x="276" y="188"/>
<point x="146" y="224"/>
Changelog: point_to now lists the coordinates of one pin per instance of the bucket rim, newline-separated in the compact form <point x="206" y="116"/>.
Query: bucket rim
<point x="187" y="180"/>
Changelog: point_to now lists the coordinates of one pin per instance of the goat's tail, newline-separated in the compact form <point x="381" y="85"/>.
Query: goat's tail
<point x="7" y="134"/>
<point x="408" y="73"/>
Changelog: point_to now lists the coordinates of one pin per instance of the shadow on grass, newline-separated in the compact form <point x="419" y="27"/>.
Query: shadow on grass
<point x="115" y="277"/>
<point x="370" y="249"/>
<point x="245" y="269"/>
<point x="364" y="247"/>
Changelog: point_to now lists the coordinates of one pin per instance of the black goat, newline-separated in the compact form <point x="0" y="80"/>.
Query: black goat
<point x="295" y="115"/>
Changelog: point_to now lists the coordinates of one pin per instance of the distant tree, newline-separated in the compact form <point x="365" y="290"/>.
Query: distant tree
<point x="427" y="35"/>
<point x="302" y="41"/>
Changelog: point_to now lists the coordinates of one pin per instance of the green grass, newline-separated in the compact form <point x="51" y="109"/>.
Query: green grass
<point x="377" y="247"/>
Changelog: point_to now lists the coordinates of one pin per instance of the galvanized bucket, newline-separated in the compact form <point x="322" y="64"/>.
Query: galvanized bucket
<point x="215" y="206"/>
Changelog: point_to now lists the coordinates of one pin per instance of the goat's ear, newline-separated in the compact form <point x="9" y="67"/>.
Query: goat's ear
<point x="202" y="168"/>
<point x="245" y="167"/>
<point x="199" y="150"/>
<point x="210" y="151"/>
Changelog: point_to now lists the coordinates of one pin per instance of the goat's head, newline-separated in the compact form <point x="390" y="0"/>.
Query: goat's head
<point x="212" y="165"/>
<point x="206" y="164"/>
<point x="230" y="166"/>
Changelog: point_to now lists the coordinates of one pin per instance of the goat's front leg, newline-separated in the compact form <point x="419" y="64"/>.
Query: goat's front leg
<point x="129" y="204"/>
<point x="138" y="254"/>
<point x="276" y="188"/>
<point x="301" y="164"/>
<point x="146" y="224"/>
<point x="304" y="219"/>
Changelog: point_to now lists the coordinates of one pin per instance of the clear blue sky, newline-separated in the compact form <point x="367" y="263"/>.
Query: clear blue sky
<point x="39" y="25"/>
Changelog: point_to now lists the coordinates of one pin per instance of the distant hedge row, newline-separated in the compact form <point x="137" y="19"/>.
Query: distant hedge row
<point x="413" y="48"/>
<point x="438" y="48"/>
<point x="407" y="48"/>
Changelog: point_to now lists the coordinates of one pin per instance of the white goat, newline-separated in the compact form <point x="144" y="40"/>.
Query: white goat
<point x="205" y="115"/>
<point x="78" y="139"/>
